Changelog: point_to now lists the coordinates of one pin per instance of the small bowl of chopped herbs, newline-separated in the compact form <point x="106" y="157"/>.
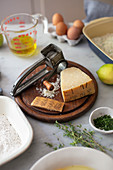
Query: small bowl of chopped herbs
<point x="101" y="120"/>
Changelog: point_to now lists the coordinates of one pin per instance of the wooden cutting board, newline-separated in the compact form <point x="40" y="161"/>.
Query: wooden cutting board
<point x="71" y="110"/>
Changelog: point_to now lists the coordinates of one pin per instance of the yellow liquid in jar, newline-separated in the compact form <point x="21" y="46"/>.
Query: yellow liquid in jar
<point x="76" y="167"/>
<point x="23" y="46"/>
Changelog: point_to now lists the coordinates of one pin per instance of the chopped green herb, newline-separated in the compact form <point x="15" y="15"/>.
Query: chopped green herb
<point x="104" y="122"/>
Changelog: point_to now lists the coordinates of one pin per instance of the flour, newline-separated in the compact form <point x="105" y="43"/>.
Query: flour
<point x="9" y="139"/>
<point x="46" y="93"/>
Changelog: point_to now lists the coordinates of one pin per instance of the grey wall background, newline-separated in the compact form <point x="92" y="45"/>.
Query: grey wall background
<point x="70" y="9"/>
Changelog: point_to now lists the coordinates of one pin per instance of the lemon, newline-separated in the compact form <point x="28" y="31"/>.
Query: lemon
<point x="1" y="40"/>
<point x="105" y="73"/>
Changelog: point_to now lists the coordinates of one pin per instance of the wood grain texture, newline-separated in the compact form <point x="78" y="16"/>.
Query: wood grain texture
<point x="71" y="110"/>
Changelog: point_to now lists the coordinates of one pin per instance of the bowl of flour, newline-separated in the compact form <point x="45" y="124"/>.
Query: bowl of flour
<point x="16" y="133"/>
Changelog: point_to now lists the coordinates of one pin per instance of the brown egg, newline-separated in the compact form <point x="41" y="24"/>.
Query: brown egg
<point x="57" y="18"/>
<point x="61" y="28"/>
<point x="79" y="24"/>
<point x="73" y="33"/>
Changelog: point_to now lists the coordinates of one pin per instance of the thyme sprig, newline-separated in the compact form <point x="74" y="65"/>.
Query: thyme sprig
<point x="61" y="145"/>
<point x="81" y="136"/>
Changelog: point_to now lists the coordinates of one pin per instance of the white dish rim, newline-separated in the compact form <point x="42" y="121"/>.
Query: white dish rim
<point x="28" y="142"/>
<point x="34" y="166"/>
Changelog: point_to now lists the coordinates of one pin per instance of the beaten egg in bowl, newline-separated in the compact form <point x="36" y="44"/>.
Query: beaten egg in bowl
<point x="76" y="167"/>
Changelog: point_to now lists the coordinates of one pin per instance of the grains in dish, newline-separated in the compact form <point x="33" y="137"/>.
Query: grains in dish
<point x="105" y="42"/>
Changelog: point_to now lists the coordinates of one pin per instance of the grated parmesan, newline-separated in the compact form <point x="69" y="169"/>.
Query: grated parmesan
<point x="9" y="139"/>
<point x="105" y="42"/>
<point x="46" y="93"/>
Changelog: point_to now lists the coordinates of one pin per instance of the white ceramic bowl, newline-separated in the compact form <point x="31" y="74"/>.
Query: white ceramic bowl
<point x="15" y="116"/>
<point x="74" y="156"/>
<point x="101" y="111"/>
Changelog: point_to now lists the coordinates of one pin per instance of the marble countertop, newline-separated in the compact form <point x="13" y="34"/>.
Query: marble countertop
<point x="11" y="67"/>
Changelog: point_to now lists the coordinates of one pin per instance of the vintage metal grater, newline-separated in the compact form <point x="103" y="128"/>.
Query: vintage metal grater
<point x="52" y="57"/>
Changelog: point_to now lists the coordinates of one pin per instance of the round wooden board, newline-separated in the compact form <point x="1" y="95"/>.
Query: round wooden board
<point x="71" y="110"/>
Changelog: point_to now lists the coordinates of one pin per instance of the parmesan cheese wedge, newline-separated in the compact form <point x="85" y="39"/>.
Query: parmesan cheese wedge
<point x="49" y="104"/>
<point x="75" y="84"/>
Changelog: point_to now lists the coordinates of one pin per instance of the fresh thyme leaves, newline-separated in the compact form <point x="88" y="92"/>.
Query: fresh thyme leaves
<point x="81" y="136"/>
<point x="61" y="145"/>
<point x="104" y="122"/>
<point x="56" y="147"/>
<point x="49" y="144"/>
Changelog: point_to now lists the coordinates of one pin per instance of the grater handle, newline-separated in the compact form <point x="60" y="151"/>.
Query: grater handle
<point x="48" y="85"/>
<point x="18" y="82"/>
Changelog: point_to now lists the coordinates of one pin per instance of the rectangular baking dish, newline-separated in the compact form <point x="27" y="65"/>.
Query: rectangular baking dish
<point x="97" y="28"/>
<point x="11" y="110"/>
